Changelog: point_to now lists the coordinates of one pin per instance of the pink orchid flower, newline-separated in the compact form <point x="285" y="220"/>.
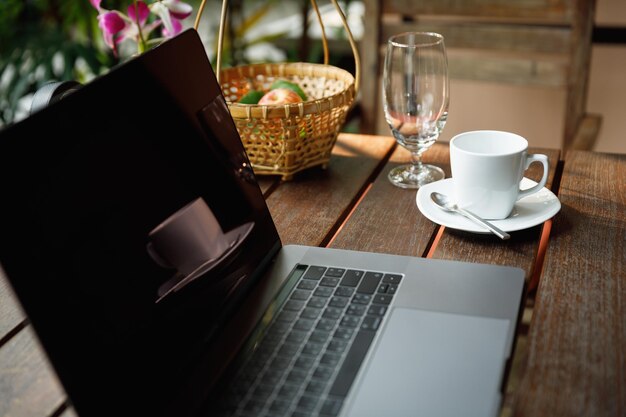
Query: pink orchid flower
<point x="138" y="29"/>
<point x="111" y="24"/>
<point x="117" y="27"/>
<point x="171" y="12"/>
<point x="178" y="9"/>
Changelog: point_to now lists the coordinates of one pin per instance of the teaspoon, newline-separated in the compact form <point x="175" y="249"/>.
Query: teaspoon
<point x="444" y="203"/>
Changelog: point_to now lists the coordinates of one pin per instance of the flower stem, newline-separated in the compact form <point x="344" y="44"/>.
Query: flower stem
<point x="141" y="45"/>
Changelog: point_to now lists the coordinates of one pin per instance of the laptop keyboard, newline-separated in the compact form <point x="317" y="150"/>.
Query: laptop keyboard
<point x="305" y="364"/>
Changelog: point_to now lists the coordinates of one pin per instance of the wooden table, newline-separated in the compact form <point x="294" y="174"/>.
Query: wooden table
<point x="574" y="361"/>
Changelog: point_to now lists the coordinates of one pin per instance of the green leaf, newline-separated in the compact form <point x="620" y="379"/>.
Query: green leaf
<point x="251" y="97"/>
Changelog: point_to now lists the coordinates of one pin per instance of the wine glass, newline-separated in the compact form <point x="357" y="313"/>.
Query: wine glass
<point x="415" y="98"/>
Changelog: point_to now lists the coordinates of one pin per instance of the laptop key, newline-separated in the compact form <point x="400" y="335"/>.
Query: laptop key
<point x="350" y="321"/>
<point x="324" y="292"/>
<point x="288" y="349"/>
<point x="352" y="363"/>
<point x="307" y="403"/>
<point x="307" y="284"/>
<point x="312" y="349"/>
<point x="296" y="336"/>
<point x="316" y="387"/>
<point x="326" y="324"/>
<point x="287" y="316"/>
<point x="362" y="299"/>
<point x="280" y="362"/>
<point x="377" y="310"/>
<point x="271" y="377"/>
<point x="370" y="323"/>
<point x="304" y="324"/>
<point x="319" y="336"/>
<point x="323" y="372"/>
<point x="280" y="327"/>
<point x="330" y="359"/>
<point x="262" y="391"/>
<point x="356" y="309"/>
<point x="337" y="346"/>
<point x="301" y="295"/>
<point x="304" y="363"/>
<point x="297" y="376"/>
<point x="351" y="278"/>
<point x="279" y="405"/>
<point x="370" y="283"/>
<point x="382" y="299"/>
<point x="338" y="302"/>
<point x="317" y="302"/>
<point x="314" y="272"/>
<point x="335" y="272"/>
<point x="311" y="313"/>
<point x="392" y="289"/>
<point x="343" y="333"/>
<point x="288" y="391"/>
<point x="294" y="305"/>
<point x="329" y="282"/>
<point x="332" y="312"/>
<point x="392" y="279"/>
<point x="344" y="291"/>
<point x="331" y="407"/>
<point x="300" y="413"/>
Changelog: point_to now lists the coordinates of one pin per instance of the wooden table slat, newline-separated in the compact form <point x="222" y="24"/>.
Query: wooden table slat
<point x="307" y="209"/>
<point x="577" y="341"/>
<point x="387" y="220"/>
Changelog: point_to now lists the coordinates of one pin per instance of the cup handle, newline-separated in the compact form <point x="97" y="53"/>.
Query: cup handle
<point x="530" y="158"/>
<point x="156" y="257"/>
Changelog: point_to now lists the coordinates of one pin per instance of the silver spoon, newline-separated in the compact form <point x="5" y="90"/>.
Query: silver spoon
<point x="444" y="203"/>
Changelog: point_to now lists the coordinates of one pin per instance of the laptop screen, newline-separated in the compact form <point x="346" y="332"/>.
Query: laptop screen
<point x="131" y="226"/>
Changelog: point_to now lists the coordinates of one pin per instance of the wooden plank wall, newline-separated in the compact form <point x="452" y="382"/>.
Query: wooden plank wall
<point x="554" y="11"/>
<point x="543" y="43"/>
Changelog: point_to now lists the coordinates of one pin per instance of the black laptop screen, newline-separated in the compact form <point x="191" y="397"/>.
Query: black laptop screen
<point x="130" y="224"/>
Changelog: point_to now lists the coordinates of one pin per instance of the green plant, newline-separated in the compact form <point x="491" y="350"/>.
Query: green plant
<point x="242" y="18"/>
<point x="44" y="40"/>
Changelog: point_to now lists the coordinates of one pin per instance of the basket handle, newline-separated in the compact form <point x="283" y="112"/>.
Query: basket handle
<point x="353" y="46"/>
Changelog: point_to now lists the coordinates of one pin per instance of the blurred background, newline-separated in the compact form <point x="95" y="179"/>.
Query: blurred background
<point x="43" y="40"/>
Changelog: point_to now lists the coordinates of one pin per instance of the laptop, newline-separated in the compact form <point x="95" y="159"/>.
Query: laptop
<point x="136" y="237"/>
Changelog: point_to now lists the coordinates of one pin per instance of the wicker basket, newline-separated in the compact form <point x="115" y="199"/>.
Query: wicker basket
<point x="285" y="139"/>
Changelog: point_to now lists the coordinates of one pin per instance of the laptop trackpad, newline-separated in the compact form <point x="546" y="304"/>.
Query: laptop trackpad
<point x="433" y="364"/>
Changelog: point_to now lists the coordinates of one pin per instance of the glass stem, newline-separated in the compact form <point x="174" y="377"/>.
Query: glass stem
<point x="416" y="162"/>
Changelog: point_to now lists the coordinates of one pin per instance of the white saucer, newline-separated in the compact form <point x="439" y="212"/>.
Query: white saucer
<point x="527" y="212"/>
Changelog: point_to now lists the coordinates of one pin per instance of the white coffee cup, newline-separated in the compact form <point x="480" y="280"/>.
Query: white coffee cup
<point x="487" y="167"/>
<point x="188" y="238"/>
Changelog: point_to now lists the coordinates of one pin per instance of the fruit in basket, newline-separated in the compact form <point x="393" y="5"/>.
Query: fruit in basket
<point x="251" y="97"/>
<point x="280" y="96"/>
<point x="291" y="86"/>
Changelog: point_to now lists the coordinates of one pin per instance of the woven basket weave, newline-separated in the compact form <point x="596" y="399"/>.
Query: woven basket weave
<point x="285" y="139"/>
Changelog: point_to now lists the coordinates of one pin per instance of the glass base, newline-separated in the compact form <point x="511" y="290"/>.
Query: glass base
<point x="406" y="176"/>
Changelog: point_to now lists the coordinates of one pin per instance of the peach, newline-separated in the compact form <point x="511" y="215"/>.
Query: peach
<point x="280" y="96"/>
